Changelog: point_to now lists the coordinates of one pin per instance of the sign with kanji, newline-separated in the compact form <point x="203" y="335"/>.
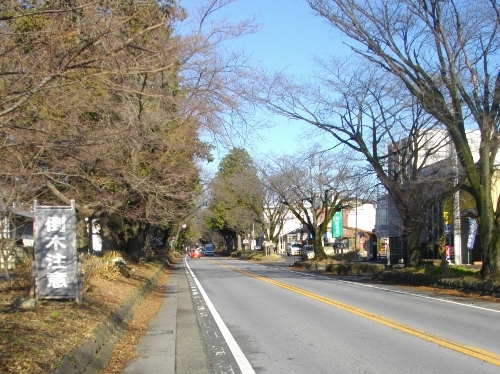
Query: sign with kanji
<point x="471" y="237"/>
<point x="337" y="225"/>
<point x="55" y="251"/>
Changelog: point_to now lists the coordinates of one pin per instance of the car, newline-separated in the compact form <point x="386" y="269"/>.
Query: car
<point x="194" y="253"/>
<point x="293" y="249"/>
<point x="307" y="252"/>
<point x="209" y="249"/>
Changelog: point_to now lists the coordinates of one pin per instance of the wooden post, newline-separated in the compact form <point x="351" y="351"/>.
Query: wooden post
<point x="33" y="293"/>
<point x="79" y="287"/>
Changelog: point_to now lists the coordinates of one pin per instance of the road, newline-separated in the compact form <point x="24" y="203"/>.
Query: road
<point x="272" y="319"/>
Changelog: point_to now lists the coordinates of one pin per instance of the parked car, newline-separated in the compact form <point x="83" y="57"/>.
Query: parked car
<point x="194" y="253"/>
<point x="209" y="249"/>
<point x="293" y="249"/>
<point x="307" y="252"/>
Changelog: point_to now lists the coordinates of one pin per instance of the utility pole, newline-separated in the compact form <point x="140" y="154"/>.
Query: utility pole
<point x="457" y="234"/>
<point x="356" y="223"/>
<point x="252" y="243"/>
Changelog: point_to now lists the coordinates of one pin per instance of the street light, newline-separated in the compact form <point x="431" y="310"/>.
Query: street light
<point x="176" y="239"/>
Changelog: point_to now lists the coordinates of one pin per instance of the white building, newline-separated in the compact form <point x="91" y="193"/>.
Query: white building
<point x="433" y="147"/>
<point x="363" y="217"/>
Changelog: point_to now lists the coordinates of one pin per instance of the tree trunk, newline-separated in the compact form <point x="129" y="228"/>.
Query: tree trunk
<point x="7" y="249"/>
<point x="136" y="243"/>
<point x="5" y="258"/>
<point x="238" y="237"/>
<point x="495" y="243"/>
<point x="487" y="233"/>
<point x="442" y="251"/>
<point x="82" y="235"/>
<point x="108" y="243"/>
<point x="229" y="239"/>
<point x="412" y="242"/>
<point x="319" y="250"/>
<point x="488" y="247"/>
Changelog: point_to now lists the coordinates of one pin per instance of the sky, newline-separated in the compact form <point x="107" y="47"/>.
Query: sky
<point x="289" y="39"/>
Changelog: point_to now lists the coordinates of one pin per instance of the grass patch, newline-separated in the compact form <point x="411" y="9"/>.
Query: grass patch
<point x="451" y="271"/>
<point x="462" y="271"/>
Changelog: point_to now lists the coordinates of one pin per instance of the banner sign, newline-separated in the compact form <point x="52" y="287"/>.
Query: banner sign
<point x="55" y="251"/>
<point x="472" y="233"/>
<point x="337" y="225"/>
<point x="450" y="253"/>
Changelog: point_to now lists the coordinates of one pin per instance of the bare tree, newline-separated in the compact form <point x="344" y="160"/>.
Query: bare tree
<point x="373" y="116"/>
<point x="16" y="189"/>
<point x="214" y="76"/>
<point x="316" y="185"/>
<point x="446" y="55"/>
<point x="274" y="212"/>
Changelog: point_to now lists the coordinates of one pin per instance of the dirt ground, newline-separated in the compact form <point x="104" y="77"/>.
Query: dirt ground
<point x="124" y="350"/>
<point x="34" y="341"/>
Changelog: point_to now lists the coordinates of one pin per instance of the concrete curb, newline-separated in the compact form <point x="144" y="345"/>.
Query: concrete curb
<point x="482" y="288"/>
<point x="95" y="352"/>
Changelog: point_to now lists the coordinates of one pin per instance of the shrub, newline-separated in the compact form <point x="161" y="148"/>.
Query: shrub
<point x="109" y="266"/>
<point x="346" y="256"/>
<point x="21" y="275"/>
<point x="242" y="254"/>
<point x="353" y="268"/>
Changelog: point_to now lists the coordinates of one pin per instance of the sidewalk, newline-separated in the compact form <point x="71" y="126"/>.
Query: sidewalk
<point x="173" y="342"/>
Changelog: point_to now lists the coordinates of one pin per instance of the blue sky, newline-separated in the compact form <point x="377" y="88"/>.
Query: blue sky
<point x="289" y="39"/>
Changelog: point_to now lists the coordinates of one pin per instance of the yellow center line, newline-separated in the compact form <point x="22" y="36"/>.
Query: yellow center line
<point x="480" y="354"/>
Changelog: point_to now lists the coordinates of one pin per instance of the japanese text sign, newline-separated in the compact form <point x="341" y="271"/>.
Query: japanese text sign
<point x="337" y="225"/>
<point x="55" y="251"/>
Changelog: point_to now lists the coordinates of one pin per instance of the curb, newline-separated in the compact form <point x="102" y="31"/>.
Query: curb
<point x="484" y="288"/>
<point x="95" y="352"/>
<point x="471" y="287"/>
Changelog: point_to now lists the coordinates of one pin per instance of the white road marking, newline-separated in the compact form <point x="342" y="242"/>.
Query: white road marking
<point x="238" y="354"/>
<point x="394" y="291"/>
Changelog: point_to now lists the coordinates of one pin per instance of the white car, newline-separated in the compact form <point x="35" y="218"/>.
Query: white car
<point x="307" y="252"/>
<point x="293" y="249"/>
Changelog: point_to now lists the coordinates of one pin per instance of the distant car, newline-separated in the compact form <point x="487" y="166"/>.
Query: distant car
<point x="194" y="253"/>
<point x="293" y="249"/>
<point x="307" y="252"/>
<point x="209" y="249"/>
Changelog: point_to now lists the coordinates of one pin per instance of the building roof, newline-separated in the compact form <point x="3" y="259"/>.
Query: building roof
<point x="23" y="213"/>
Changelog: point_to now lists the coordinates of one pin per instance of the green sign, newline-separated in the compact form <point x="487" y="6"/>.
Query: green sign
<point x="337" y="225"/>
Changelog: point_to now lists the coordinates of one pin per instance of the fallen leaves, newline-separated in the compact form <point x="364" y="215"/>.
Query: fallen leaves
<point x="34" y="342"/>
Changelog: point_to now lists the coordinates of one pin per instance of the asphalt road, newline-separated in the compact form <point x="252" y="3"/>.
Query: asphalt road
<point x="271" y="319"/>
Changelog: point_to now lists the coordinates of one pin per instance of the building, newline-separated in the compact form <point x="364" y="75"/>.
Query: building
<point x="445" y="220"/>
<point x="16" y="236"/>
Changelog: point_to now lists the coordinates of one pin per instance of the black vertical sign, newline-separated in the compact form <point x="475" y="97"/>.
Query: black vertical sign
<point x="55" y="251"/>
